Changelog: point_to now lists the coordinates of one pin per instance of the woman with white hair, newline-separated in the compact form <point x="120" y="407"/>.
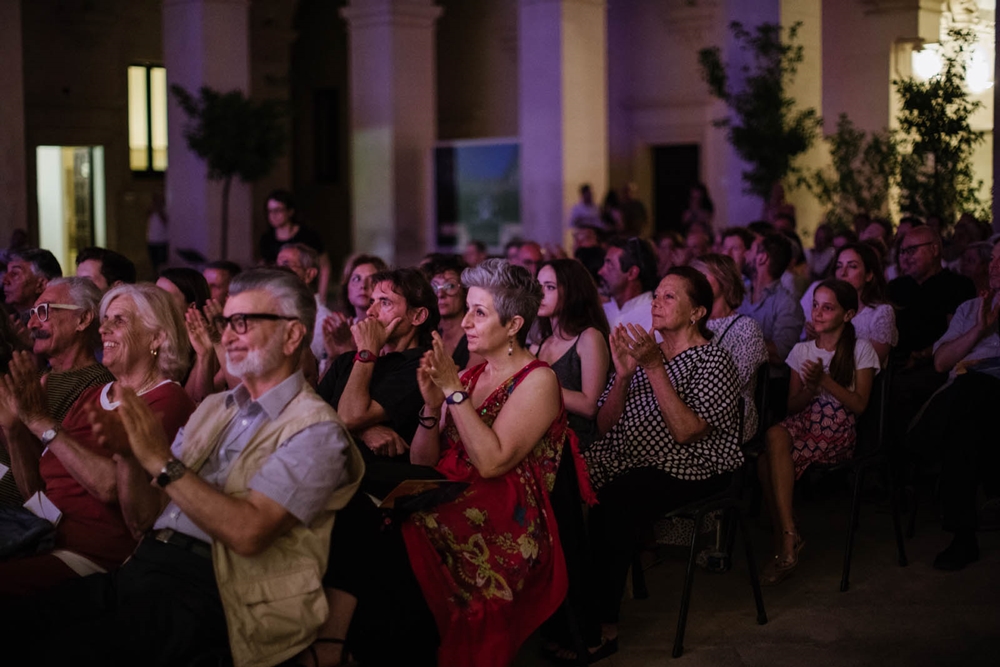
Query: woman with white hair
<point x="146" y="349"/>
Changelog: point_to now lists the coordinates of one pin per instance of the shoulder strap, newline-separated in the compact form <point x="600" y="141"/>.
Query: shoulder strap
<point x="726" y="330"/>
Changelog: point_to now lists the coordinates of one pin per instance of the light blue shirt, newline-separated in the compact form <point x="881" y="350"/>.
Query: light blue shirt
<point x="301" y="473"/>
<point x="779" y="316"/>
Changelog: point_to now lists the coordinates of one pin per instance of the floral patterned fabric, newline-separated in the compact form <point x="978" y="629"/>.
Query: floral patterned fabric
<point x="489" y="563"/>
<point x="825" y="432"/>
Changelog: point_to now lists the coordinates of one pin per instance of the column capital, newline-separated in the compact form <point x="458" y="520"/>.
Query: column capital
<point x="409" y="13"/>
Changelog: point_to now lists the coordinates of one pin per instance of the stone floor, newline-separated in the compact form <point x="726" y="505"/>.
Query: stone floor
<point x="910" y="616"/>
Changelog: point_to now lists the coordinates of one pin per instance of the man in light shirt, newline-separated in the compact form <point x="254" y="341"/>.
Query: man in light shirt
<point x="628" y="277"/>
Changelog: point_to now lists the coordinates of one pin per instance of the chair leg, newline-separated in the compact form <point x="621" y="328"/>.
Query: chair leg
<point x="639" y="590"/>
<point x="852" y="526"/>
<point x="897" y="524"/>
<point x="686" y="595"/>
<point x="758" y="597"/>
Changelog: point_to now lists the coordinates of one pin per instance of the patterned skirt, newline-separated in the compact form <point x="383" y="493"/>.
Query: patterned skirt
<point x="824" y="432"/>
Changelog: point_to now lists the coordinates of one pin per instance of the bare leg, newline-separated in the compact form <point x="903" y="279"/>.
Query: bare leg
<point x="330" y="654"/>
<point x="782" y="471"/>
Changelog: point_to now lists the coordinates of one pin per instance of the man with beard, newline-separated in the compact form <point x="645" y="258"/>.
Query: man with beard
<point x="63" y="329"/>
<point x="238" y="513"/>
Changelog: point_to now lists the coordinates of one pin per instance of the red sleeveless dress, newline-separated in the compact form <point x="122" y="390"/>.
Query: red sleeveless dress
<point x="489" y="563"/>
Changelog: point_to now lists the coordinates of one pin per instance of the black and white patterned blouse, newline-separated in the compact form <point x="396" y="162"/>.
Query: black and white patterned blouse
<point x="705" y="379"/>
<point x="742" y="338"/>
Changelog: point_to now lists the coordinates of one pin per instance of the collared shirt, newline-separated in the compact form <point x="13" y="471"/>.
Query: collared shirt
<point x="301" y="473"/>
<point x="965" y="319"/>
<point x="779" y="316"/>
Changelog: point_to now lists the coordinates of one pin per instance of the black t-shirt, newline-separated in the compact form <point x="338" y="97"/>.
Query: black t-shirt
<point x="393" y="386"/>
<point x="922" y="310"/>
<point x="270" y="245"/>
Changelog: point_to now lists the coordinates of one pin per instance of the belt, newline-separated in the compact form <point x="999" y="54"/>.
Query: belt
<point x="186" y="542"/>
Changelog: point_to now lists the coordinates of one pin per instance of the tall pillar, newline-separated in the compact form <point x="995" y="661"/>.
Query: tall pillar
<point x="393" y="125"/>
<point x="13" y="165"/>
<point x="205" y="43"/>
<point x="563" y="109"/>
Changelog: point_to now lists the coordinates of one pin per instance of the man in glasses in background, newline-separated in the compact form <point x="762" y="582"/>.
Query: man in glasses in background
<point x="63" y="327"/>
<point x="375" y="389"/>
<point x="926" y="297"/>
<point x="237" y="518"/>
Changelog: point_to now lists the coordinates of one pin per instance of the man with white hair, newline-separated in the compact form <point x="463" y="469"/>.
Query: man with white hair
<point x="238" y="511"/>
<point x="303" y="261"/>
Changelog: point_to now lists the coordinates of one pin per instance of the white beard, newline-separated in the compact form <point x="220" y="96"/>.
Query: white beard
<point x="257" y="362"/>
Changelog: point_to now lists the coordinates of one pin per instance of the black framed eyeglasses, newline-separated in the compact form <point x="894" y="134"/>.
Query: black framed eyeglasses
<point x="41" y="311"/>
<point x="239" y="320"/>
<point x="909" y="250"/>
<point x="447" y="288"/>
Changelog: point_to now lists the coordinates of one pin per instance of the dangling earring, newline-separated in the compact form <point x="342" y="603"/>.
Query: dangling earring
<point x="510" y="346"/>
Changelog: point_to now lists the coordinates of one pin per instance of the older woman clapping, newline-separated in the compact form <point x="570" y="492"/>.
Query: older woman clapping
<point x="146" y="349"/>
<point x="668" y="433"/>
<point x="489" y="563"/>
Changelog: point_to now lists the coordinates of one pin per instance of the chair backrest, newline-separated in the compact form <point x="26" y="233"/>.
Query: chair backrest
<point x="761" y="399"/>
<point x="873" y="424"/>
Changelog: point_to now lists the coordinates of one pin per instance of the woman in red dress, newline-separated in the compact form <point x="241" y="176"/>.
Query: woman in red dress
<point x="489" y="563"/>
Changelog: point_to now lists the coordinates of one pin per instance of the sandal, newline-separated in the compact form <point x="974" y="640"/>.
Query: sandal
<point x="781" y="566"/>
<point x="565" y="656"/>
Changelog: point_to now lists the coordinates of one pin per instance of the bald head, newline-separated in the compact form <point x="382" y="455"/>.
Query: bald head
<point x="920" y="253"/>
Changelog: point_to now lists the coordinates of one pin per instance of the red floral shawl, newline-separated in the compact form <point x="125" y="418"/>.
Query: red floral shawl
<point x="489" y="563"/>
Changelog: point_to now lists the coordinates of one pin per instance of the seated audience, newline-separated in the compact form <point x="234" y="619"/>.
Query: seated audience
<point x="668" y="434"/>
<point x="628" y="277"/>
<point x="445" y="275"/>
<point x="355" y="300"/>
<point x="284" y="228"/>
<point x="669" y="252"/>
<point x="875" y="321"/>
<point x="698" y="242"/>
<point x="737" y="334"/>
<point x="574" y="332"/>
<point x="145" y="347"/>
<point x="829" y="389"/>
<point x="9" y="344"/>
<point x="975" y="264"/>
<point x="879" y="229"/>
<point x="374" y="390"/>
<point x="105" y="268"/>
<point x="475" y="252"/>
<point x="185" y="286"/>
<point x="303" y="261"/>
<point x="529" y="256"/>
<point x="29" y="270"/>
<point x="820" y="258"/>
<point x="958" y="427"/>
<point x="218" y="275"/>
<point x="239" y="515"/>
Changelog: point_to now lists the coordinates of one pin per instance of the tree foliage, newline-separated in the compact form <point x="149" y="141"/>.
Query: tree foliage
<point x="765" y="128"/>
<point x="864" y="168"/>
<point x="236" y="136"/>
<point x="936" y="176"/>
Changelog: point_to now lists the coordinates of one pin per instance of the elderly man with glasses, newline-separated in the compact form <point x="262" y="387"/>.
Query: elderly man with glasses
<point x="238" y="511"/>
<point x="63" y="328"/>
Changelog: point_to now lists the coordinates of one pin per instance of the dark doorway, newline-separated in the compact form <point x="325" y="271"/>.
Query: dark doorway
<point x="675" y="169"/>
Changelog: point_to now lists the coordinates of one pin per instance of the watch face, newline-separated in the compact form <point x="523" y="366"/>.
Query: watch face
<point x="456" y="397"/>
<point x="365" y="355"/>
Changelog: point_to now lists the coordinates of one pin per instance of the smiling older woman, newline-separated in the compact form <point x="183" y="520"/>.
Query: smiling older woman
<point x="146" y="349"/>
<point x="489" y="563"/>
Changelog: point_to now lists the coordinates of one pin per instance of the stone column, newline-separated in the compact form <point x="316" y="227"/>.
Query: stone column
<point x="393" y="125"/>
<point x="13" y="165"/>
<point x="205" y="43"/>
<point x="562" y="109"/>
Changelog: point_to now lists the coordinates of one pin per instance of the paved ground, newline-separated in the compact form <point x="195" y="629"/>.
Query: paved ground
<point x="911" y="616"/>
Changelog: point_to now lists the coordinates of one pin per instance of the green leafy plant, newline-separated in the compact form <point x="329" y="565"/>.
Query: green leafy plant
<point x="936" y="176"/>
<point x="864" y="168"/>
<point x="236" y="136"/>
<point x="765" y="128"/>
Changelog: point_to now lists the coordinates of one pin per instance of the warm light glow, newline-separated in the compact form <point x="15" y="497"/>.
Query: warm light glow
<point x="927" y="62"/>
<point x="158" y="116"/>
<point x="138" y="129"/>
<point x="978" y="77"/>
<point x="147" y="118"/>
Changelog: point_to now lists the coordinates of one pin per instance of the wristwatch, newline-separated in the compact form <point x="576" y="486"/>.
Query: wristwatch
<point x="365" y="356"/>
<point x="456" y="397"/>
<point x="49" y="435"/>
<point x="172" y="471"/>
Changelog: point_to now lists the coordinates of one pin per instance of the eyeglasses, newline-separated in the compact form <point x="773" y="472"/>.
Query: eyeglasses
<point x="909" y="250"/>
<point x="41" y="311"/>
<point x="239" y="320"/>
<point x="447" y="288"/>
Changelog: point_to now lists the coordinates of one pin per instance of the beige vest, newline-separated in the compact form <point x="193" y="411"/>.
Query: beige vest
<point x="274" y="601"/>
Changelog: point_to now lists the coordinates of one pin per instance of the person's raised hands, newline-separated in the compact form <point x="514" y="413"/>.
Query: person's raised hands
<point x="24" y="388"/>
<point x="625" y="364"/>
<point x="370" y="334"/>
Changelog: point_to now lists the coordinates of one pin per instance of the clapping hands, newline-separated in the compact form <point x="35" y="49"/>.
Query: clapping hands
<point x="633" y="346"/>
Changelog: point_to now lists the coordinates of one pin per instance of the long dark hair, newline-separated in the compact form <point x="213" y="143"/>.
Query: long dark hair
<point x="873" y="292"/>
<point x="579" y="305"/>
<point x="191" y="283"/>
<point x="699" y="290"/>
<point x="842" y="364"/>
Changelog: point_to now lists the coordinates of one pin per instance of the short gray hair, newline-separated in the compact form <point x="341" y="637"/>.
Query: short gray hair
<point x="308" y="257"/>
<point x="292" y="296"/>
<point x="155" y="311"/>
<point x="85" y="294"/>
<point x="513" y="289"/>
